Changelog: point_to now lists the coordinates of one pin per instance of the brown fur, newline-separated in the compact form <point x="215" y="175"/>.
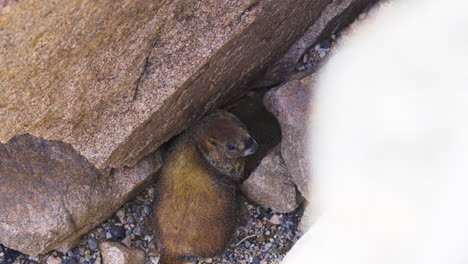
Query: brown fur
<point x="196" y="202"/>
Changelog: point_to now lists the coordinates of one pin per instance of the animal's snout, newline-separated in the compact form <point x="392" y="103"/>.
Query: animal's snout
<point x="250" y="147"/>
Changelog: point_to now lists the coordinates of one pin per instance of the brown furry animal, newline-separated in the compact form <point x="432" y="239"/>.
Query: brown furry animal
<point x="196" y="202"/>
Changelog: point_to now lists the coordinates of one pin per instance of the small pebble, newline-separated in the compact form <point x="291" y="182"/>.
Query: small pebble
<point x="275" y="219"/>
<point x="146" y="209"/>
<point x="127" y="241"/>
<point x="117" y="233"/>
<point x="92" y="243"/>
<point x="301" y="68"/>
<point x="136" y="231"/>
<point x="120" y="214"/>
<point x="317" y="47"/>
<point x="325" y="44"/>
<point x="53" y="260"/>
<point x="154" y="260"/>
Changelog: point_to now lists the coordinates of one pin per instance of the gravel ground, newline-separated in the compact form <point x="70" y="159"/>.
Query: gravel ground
<point x="314" y="55"/>
<point x="261" y="237"/>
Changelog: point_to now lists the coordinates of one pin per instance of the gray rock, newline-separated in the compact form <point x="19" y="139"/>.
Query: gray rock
<point x="271" y="186"/>
<point x="290" y="103"/>
<point x="308" y="218"/>
<point x="120" y="214"/>
<point x="92" y="243"/>
<point x="54" y="195"/>
<point x="116" y="253"/>
<point x="127" y="241"/>
<point x="53" y="260"/>
<point x="275" y="219"/>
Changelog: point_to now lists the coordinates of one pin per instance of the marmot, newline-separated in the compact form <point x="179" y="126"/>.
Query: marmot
<point x="195" y="207"/>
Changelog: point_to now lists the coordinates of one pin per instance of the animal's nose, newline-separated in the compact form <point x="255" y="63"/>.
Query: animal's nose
<point x="250" y="147"/>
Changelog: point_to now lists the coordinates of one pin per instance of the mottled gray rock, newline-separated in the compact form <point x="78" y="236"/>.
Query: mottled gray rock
<point x="271" y="186"/>
<point x="116" y="253"/>
<point x="51" y="195"/>
<point x="291" y="105"/>
<point x="308" y="218"/>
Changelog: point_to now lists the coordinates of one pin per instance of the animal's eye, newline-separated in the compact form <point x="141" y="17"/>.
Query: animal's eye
<point x="212" y="141"/>
<point x="231" y="147"/>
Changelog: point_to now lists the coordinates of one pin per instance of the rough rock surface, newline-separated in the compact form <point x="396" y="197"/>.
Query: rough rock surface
<point x="116" y="253"/>
<point x="290" y="103"/>
<point x="271" y="186"/>
<point x="4" y="3"/>
<point x="336" y="15"/>
<point x="117" y="79"/>
<point x="308" y="218"/>
<point x="51" y="195"/>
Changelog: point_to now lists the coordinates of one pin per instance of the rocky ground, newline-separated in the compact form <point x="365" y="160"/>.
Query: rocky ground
<point x="261" y="237"/>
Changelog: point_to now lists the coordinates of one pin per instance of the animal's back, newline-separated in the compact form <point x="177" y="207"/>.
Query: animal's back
<point x="193" y="212"/>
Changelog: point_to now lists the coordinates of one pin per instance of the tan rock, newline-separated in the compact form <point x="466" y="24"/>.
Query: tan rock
<point x="117" y="79"/>
<point x="116" y="253"/>
<point x="52" y="195"/>
<point x="271" y="186"/>
<point x="291" y="104"/>
<point x="53" y="260"/>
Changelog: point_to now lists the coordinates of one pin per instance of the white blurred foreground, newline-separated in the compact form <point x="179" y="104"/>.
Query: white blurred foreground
<point x="390" y="141"/>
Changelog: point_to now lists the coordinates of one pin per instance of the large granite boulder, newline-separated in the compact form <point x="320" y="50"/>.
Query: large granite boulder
<point x="50" y="195"/>
<point x="117" y="79"/>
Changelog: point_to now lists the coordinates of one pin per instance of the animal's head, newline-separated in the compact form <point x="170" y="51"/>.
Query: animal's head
<point x="224" y="142"/>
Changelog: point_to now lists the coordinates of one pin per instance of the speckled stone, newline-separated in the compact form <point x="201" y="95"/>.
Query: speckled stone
<point x="271" y="186"/>
<point x="117" y="79"/>
<point x="291" y="104"/>
<point x="116" y="253"/>
<point x="51" y="195"/>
